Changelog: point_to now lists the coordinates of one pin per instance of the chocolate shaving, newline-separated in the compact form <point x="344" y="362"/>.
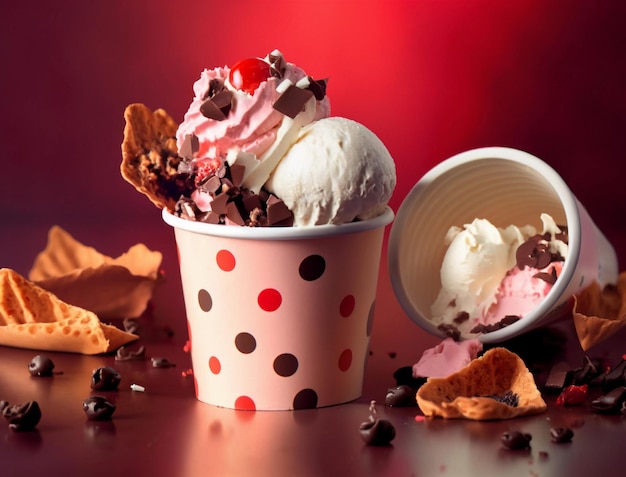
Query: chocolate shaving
<point x="504" y="322"/>
<point x="292" y="101"/>
<point x="547" y="277"/>
<point x="462" y="317"/>
<point x="218" y="106"/>
<point x="123" y="354"/>
<point x="318" y="88"/>
<point x="450" y="330"/>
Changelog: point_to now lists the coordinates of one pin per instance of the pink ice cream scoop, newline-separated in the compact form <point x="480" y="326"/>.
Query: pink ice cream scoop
<point x="446" y="358"/>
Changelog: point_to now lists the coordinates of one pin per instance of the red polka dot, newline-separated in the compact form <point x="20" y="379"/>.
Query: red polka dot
<point x="347" y="306"/>
<point x="214" y="365"/>
<point x="270" y="299"/>
<point x="345" y="359"/>
<point x="245" y="403"/>
<point x="225" y="260"/>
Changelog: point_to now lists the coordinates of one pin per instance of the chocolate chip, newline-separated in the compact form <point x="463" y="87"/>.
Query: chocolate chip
<point x="515" y="440"/>
<point x="561" y="434"/>
<point x="22" y="417"/>
<point x="98" y="408"/>
<point x="585" y="374"/>
<point x="506" y="321"/>
<point x="292" y="101"/>
<point x="41" y="366"/>
<point x="549" y="278"/>
<point x="105" y="379"/>
<point x="400" y="396"/>
<point x="611" y="402"/>
<point x="450" y="330"/>
<point x="509" y="398"/>
<point x="461" y="317"/>
<point x="377" y="432"/>
<point x="318" y="88"/>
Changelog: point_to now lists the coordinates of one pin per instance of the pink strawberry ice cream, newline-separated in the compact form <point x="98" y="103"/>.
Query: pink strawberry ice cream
<point x="245" y="120"/>
<point x="492" y="277"/>
<point x="446" y="358"/>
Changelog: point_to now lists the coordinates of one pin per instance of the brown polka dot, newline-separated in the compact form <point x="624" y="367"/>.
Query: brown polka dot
<point x="245" y="343"/>
<point x="204" y="300"/>
<point x="285" y="364"/>
<point x="312" y="267"/>
<point x="305" y="399"/>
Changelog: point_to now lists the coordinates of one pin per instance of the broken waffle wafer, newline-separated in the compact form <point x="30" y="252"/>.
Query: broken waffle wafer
<point x="112" y="288"/>
<point x="473" y="392"/>
<point x="150" y="155"/>
<point x="599" y="312"/>
<point x="33" y="318"/>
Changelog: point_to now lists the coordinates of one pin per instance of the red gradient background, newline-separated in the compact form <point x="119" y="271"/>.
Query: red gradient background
<point x="431" y="78"/>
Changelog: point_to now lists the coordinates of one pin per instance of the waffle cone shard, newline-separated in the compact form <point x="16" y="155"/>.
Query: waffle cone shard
<point x="113" y="288"/>
<point x="34" y="318"/>
<point x="462" y="394"/>
<point x="599" y="312"/>
<point x="150" y="155"/>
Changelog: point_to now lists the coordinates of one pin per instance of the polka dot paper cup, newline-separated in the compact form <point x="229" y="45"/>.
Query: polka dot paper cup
<point x="279" y="318"/>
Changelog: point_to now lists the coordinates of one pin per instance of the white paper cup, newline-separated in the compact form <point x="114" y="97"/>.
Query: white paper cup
<point x="507" y="187"/>
<point x="279" y="317"/>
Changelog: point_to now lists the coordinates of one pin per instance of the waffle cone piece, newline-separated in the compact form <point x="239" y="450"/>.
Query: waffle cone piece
<point x="113" y="288"/>
<point x="464" y="393"/>
<point x="33" y="318"/>
<point x="150" y="155"/>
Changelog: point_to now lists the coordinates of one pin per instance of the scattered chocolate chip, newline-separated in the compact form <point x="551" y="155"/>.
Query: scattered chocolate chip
<point x="22" y="417"/>
<point x="561" y="434"/>
<point x="560" y="377"/>
<point x="450" y="330"/>
<point x="401" y="396"/>
<point x="616" y="377"/>
<point x="611" y="402"/>
<point x="379" y="432"/>
<point x="162" y="363"/>
<point x="586" y="373"/>
<point x="292" y="101"/>
<point x="462" y="317"/>
<point x="105" y="379"/>
<point x="515" y="440"/>
<point x="41" y="366"/>
<point x="98" y="408"/>
<point x="123" y="354"/>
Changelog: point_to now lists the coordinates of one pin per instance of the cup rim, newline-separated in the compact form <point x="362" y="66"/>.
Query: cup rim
<point x="278" y="233"/>
<point x="570" y="206"/>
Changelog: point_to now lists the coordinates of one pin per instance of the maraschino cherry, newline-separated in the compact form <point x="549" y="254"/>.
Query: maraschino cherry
<point x="246" y="75"/>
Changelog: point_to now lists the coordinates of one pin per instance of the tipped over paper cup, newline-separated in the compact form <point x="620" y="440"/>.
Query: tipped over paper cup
<point x="279" y="318"/>
<point x="505" y="186"/>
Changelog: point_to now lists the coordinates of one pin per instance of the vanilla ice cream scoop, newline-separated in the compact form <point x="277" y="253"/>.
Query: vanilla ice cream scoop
<point x="336" y="171"/>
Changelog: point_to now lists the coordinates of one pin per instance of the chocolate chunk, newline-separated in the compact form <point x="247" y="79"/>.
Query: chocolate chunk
<point x="515" y="440"/>
<point x="462" y="317"/>
<point x="251" y="202"/>
<point x="209" y="217"/>
<point x="377" y="432"/>
<point x="219" y="204"/>
<point x="189" y="147"/>
<point x="210" y="184"/>
<point x="277" y="61"/>
<point x="292" y="101"/>
<point x="232" y="213"/>
<point x="218" y="106"/>
<point x="41" y="366"/>
<point x="547" y="277"/>
<point x="506" y="321"/>
<point x="22" y="417"/>
<point x="611" y="402"/>
<point x="236" y="172"/>
<point x="450" y="330"/>
<point x="560" y="377"/>
<point x="277" y="212"/>
<point x="98" y="408"/>
<point x="318" y="88"/>
<point x="616" y="377"/>
<point x="215" y="86"/>
<point x="401" y="396"/>
<point x="105" y="379"/>
<point x="585" y="374"/>
<point x="561" y="434"/>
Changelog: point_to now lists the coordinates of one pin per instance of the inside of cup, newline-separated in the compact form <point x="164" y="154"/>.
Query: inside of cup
<point x="500" y="190"/>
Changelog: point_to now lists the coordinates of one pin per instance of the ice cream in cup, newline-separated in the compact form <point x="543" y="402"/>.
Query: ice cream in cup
<point x="492" y="243"/>
<point x="279" y="212"/>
